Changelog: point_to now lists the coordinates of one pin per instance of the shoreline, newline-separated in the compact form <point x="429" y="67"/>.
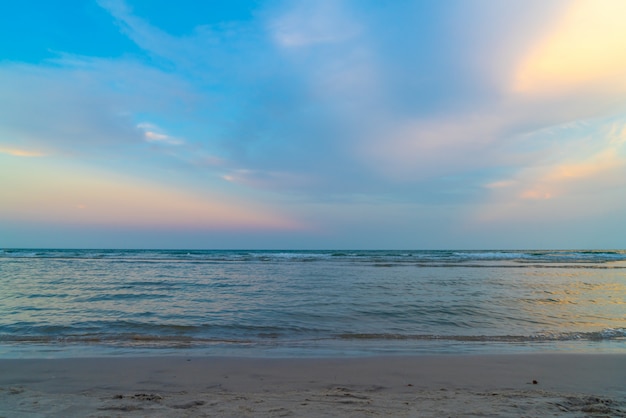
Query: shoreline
<point x="424" y="385"/>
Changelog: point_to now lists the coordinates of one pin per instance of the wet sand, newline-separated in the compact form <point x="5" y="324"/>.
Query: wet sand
<point x="530" y="385"/>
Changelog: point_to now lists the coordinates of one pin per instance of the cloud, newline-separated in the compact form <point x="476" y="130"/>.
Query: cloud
<point x="415" y="104"/>
<point x="307" y="24"/>
<point x="271" y="180"/>
<point x="53" y="109"/>
<point x="312" y="90"/>
<point x="20" y="152"/>
<point x="486" y="131"/>
<point x="585" y="51"/>
<point x="205" y="54"/>
<point x="425" y="148"/>
<point x="80" y="106"/>
<point x="52" y="192"/>
<point x="584" y="180"/>
<point x="153" y="133"/>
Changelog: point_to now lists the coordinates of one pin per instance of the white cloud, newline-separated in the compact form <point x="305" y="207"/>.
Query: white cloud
<point x="269" y="180"/>
<point x="153" y="133"/>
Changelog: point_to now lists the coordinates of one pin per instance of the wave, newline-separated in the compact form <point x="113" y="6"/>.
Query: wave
<point x="378" y="257"/>
<point x="131" y="339"/>
<point x="609" y="334"/>
<point x="125" y="340"/>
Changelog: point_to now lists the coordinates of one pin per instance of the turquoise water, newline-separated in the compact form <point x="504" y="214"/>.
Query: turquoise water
<point x="56" y="303"/>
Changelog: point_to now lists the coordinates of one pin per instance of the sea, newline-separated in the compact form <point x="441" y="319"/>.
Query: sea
<point x="58" y="303"/>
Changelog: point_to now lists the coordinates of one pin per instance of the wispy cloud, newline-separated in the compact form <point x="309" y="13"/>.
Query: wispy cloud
<point x="78" y="106"/>
<point x="153" y="133"/>
<point x="499" y="108"/>
<point x="582" y="180"/>
<point x="307" y="24"/>
<point x="20" y="152"/>
<point x="52" y="192"/>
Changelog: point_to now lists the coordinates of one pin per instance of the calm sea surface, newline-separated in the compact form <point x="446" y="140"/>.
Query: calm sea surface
<point x="56" y="303"/>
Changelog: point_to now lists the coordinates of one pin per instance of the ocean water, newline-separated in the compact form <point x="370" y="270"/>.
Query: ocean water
<point x="58" y="303"/>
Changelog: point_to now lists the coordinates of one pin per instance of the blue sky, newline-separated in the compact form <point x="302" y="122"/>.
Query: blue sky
<point x="313" y="124"/>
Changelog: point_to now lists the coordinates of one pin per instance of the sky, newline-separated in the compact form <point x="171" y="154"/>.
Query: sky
<point x="318" y="124"/>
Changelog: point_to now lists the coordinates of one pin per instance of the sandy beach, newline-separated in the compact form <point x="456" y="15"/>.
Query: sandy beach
<point x="530" y="385"/>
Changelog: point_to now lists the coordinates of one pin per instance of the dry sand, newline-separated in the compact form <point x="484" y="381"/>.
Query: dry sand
<point x="569" y="385"/>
